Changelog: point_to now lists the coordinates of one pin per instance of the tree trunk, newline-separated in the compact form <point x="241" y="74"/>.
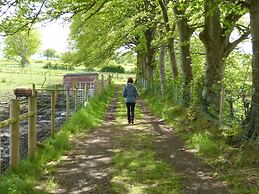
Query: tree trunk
<point x="215" y="38"/>
<point x="140" y="67"/>
<point x="185" y="33"/>
<point x="169" y="29"/>
<point x="162" y="68"/>
<point x="253" y="129"/>
<point x="212" y="37"/>
<point x="171" y="51"/>
<point x="231" y="107"/>
<point x="24" y="61"/>
<point x="149" y="56"/>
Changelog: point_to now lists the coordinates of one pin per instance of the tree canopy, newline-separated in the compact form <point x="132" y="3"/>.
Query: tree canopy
<point x="50" y="53"/>
<point x="23" y="45"/>
<point x="148" y="29"/>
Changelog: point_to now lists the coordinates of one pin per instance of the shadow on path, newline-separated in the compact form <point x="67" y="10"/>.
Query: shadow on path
<point x="87" y="168"/>
<point x="196" y="176"/>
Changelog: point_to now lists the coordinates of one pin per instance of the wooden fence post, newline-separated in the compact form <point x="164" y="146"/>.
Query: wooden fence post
<point x="53" y="103"/>
<point x="102" y="83"/>
<point x="32" y="132"/>
<point x="56" y="93"/>
<point x="75" y="92"/>
<point x="83" y="100"/>
<point x="67" y="104"/>
<point x="221" y="108"/>
<point x="15" y="134"/>
<point x="86" y="93"/>
<point x="97" y="87"/>
<point x="109" y="79"/>
<point x="76" y="96"/>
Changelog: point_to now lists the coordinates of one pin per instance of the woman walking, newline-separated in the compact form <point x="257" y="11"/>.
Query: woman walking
<point x="130" y="92"/>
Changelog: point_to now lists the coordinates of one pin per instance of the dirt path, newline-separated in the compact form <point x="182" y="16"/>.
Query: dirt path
<point x="197" y="178"/>
<point x="88" y="168"/>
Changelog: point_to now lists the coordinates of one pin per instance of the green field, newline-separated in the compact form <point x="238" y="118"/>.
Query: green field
<point x="13" y="76"/>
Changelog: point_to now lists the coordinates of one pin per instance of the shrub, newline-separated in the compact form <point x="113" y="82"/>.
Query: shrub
<point x="57" y="66"/>
<point x="113" y="69"/>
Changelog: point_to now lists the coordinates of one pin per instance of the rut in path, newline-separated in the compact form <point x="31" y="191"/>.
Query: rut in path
<point x="87" y="168"/>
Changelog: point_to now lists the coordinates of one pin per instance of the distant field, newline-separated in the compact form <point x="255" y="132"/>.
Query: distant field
<point x="9" y="81"/>
<point x="13" y="76"/>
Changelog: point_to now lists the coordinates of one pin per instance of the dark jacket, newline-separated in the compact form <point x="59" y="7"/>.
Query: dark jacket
<point x="130" y="92"/>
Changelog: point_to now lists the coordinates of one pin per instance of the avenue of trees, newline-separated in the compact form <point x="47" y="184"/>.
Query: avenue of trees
<point x="182" y="47"/>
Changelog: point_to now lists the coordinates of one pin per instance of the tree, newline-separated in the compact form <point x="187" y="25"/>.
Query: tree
<point x="253" y="128"/>
<point x="68" y="58"/>
<point x="220" y="20"/>
<point x="50" y="53"/>
<point x="170" y="30"/>
<point x="185" y="32"/>
<point x="22" y="44"/>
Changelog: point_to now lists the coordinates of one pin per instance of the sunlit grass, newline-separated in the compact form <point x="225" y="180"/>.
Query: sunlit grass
<point x="204" y="144"/>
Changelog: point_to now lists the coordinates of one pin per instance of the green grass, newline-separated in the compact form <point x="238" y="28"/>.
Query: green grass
<point x="204" y="144"/>
<point x="236" y="166"/>
<point x="137" y="166"/>
<point x="13" y="76"/>
<point x="30" y="172"/>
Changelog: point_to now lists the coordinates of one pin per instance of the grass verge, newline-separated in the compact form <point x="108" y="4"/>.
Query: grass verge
<point x="238" y="166"/>
<point x="26" y="178"/>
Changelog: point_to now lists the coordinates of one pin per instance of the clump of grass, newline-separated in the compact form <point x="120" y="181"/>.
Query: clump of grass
<point x="140" y="171"/>
<point x="27" y="176"/>
<point x="204" y="144"/>
<point x="156" y="106"/>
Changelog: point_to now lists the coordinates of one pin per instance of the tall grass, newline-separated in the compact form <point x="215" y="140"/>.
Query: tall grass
<point x="26" y="178"/>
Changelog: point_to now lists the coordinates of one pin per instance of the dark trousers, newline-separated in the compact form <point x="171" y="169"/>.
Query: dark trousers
<point x="130" y="110"/>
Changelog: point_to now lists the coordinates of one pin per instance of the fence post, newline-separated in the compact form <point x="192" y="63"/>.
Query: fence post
<point x="56" y="93"/>
<point x="83" y="101"/>
<point x="221" y="108"/>
<point x="53" y="111"/>
<point x="32" y="120"/>
<point x="98" y="87"/>
<point x="86" y="93"/>
<point x="109" y="79"/>
<point x="102" y="83"/>
<point x="67" y="104"/>
<point x="15" y="134"/>
<point x="75" y="95"/>
<point x="95" y="87"/>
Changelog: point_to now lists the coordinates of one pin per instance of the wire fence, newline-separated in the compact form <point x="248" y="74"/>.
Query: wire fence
<point x="53" y="108"/>
<point x="43" y="124"/>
